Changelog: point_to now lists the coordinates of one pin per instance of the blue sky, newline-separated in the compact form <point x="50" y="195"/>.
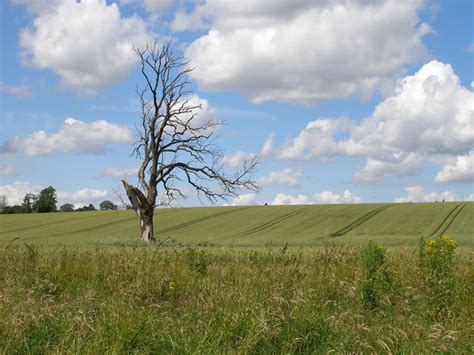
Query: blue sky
<point x="343" y="101"/>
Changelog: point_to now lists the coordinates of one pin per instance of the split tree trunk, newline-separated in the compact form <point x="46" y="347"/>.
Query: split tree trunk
<point x="143" y="210"/>
<point x="146" y="225"/>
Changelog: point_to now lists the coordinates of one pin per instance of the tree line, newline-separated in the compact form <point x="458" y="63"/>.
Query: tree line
<point x="46" y="201"/>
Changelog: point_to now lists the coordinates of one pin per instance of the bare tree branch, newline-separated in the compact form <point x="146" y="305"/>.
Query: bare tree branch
<point x="176" y="149"/>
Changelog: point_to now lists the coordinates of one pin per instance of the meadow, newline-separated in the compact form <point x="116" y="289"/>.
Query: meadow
<point x="258" y="279"/>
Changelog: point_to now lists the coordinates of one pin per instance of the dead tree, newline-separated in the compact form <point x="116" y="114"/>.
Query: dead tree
<point x="176" y="149"/>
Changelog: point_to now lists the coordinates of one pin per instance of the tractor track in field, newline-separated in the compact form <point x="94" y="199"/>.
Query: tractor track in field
<point x="268" y="224"/>
<point x="99" y="226"/>
<point x="63" y="221"/>
<point x="200" y="219"/>
<point x="448" y="220"/>
<point x="361" y="220"/>
<point x="48" y="224"/>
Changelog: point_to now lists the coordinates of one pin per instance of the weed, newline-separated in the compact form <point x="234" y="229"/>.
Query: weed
<point x="198" y="260"/>
<point x="438" y="262"/>
<point x="377" y="278"/>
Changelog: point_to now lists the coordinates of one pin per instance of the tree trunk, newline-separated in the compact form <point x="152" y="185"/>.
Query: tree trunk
<point x="143" y="210"/>
<point x="146" y="225"/>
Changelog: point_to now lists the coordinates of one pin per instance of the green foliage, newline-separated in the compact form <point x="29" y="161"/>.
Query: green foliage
<point x="46" y="201"/>
<point x="438" y="262"/>
<point x="107" y="206"/>
<point x="3" y="202"/>
<point x="67" y="207"/>
<point x="91" y="207"/>
<point x="28" y="202"/>
<point x="12" y="209"/>
<point x="376" y="281"/>
<point x="198" y="260"/>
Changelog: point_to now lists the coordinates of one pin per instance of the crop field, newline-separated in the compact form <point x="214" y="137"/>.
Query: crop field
<point x="252" y="226"/>
<point x="253" y="279"/>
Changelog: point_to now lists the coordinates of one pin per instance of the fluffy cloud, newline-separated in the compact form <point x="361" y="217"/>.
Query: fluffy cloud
<point x="235" y="159"/>
<point x="316" y="140"/>
<point x="152" y="6"/>
<point x="319" y="197"/>
<point x="15" y="192"/>
<point x="469" y="198"/>
<point x="330" y="197"/>
<point x="285" y="177"/>
<point x="407" y="164"/>
<point x="305" y="51"/>
<point x="206" y="114"/>
<point x="120" y="173"/>
<point x="267" y="147"/>
<point x="75" y="135"/>
<point x="460" y="170"/>
<point x="416" y="193"/>
<point x="156" y="6"/>
<point x="282" y="199"/>
<point x="59" y="39"/>
<point x="37" y="6"/>
<point x="16" y="90"/>
<point x="244" y="199"/>
<point x="428" y="116"/>
<point x="83" y="197"/>
<point x="7" y="169"/>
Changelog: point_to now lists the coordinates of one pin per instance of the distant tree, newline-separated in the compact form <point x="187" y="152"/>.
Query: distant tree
<point x="3" y="203"/>
<point x="13" y="209"/>
<point x="107" y="205"/>
<point x="28" y="202"/>
<point x="91" y="207"/>
<point x="67" y="207"/>
<point x="46" y="201"/>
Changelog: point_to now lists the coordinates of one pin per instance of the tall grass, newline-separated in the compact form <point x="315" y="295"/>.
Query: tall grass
<point x="183" y="300"/>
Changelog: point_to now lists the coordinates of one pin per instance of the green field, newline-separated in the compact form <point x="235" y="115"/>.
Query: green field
<point x="252" y="226"/>
<point x="227" y="283"/>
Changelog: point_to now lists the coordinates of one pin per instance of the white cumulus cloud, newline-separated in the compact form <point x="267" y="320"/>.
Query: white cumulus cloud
<point x="202" y="116"/>
<point x="37" y="6"/>
<point x="469" y="198"/>
<point x="60" y="39"/>
<point x="235" y="159"/>
<point x="316" y="140"/>
<point x="120" y="173"/>
<point x="286" y="177"/>
<point x="331" y="197"/>
<point x="84" y="197"/>
<point x="428" y="117"/>
<point x="460" y="170"/>
<point x="283" y="199"/>
<point x="303" y="51"/>
<point x="74" y="135"/>
<point x="417" y="193"/>
<point x="244" y="199"/>
<point x="267" y="147"/>
<point x="15" y="192"/>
